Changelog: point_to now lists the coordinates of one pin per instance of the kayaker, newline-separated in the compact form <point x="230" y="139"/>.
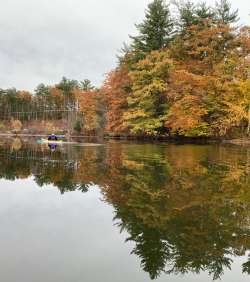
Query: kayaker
<point x="52" y="137"/>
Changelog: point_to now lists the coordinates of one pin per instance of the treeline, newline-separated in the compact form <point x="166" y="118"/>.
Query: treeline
<point x="186" y="73"/>
<point x="78" y="102"/>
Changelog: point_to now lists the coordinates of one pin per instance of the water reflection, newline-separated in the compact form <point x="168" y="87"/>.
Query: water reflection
<point x="186" y="208"/>
<point x="52" y="147"/>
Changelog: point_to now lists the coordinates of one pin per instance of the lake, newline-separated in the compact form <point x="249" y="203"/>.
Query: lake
<point x="124" y="212"/>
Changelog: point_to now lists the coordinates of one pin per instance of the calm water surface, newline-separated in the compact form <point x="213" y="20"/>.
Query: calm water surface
<point x="124" y="212"/>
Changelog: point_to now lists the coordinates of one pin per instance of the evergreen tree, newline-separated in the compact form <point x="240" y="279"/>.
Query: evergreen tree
<point x="187" y="11"/>
<point x="78" y="126"/>
<point x="67" y="86"/>
<point x="224" y="12"/>
<point x="42" y="91"/>
<point x="155" y="31"/>
<point x="86" y="85"/>
<point x="204" y="13"/>
<point x="191" y="14"/>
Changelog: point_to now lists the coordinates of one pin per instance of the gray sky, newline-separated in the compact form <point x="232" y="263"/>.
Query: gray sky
<point x="43" y="40"/>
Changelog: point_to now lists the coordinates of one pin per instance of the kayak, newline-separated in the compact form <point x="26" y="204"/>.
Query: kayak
<point x="45" y="141"/>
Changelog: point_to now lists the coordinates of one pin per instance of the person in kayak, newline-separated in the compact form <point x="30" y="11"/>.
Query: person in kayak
<point x="52" y="137"/>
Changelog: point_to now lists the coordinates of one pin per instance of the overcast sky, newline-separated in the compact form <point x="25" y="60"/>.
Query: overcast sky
<point x="43" y="40"/>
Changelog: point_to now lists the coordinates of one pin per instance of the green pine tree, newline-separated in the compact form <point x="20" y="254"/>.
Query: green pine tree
<point x="224" y="12"/>
<point x="204" y="13"/>
<point x="156" y="29"/>
<point x="191" y="14"/>
<point x="86" y="85"/>
<point x="187" y="14"/>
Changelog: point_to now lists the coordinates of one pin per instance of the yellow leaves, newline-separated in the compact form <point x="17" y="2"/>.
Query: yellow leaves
<point x="16" y="144"/>
<point x="236" y="112"/>
<point x="236" y="102"/>
<point x="132" y="164"/>
<point x="147" y="102"/>
<point x="243" y="40"/>
<point x="157" y="65"/>
<point x="142" y="94"/>
<point x="134" y="114"/>
<point x="185" y="117"/>
<point x="16" y="125"/>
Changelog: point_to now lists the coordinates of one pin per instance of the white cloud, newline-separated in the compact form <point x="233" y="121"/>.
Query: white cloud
<point x="42" y="40"/>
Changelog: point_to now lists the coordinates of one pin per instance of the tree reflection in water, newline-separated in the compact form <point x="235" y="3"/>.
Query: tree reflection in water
<point x="186" y="208"/>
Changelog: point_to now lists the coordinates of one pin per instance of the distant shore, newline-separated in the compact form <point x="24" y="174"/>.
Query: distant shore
<point x="42" y="135"/>
<point x="238" y="141"/>
<point x="242" y="142"/>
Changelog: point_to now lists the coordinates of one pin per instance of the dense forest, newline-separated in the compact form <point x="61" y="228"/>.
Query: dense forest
<point x="76" y="102"/>
<point x="185" y="73"/>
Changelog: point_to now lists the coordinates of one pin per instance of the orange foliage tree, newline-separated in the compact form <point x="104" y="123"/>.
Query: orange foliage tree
<point x="92" y="109"/>
<point x="115" y="91"/>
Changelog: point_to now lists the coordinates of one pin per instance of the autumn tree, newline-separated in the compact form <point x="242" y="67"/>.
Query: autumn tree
<point x="187" y="112"/>
<point x="234" y="86"/>
<point x="148" y="105"/>
<point x="116" y="90"/>
<point x="206" y="60"/>
<point x="91" y="110"/>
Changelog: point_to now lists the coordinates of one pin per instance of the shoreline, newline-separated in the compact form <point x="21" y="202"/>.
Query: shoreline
<point x="178" y="140"/>
<point x="42" y="135"/>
